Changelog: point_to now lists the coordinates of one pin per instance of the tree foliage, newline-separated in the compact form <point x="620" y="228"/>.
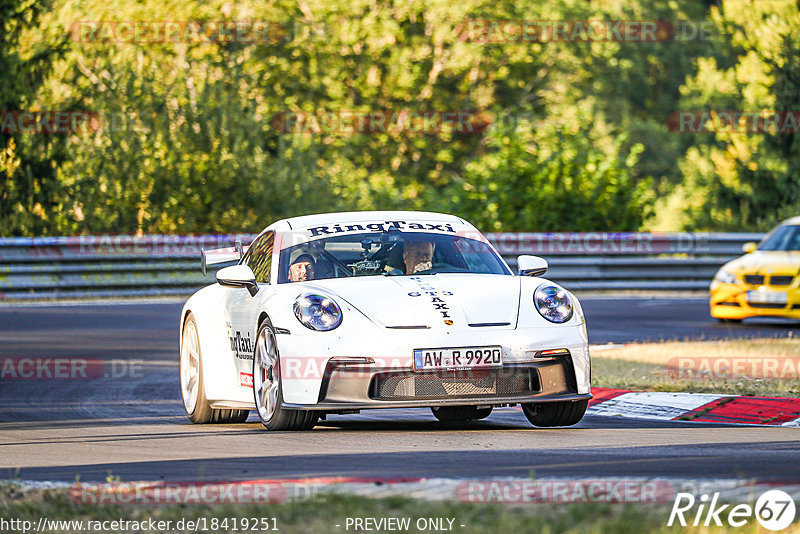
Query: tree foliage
<point x="567" y="135"/>
<point x="555" y="181"/>
<point x="744" y="178"/>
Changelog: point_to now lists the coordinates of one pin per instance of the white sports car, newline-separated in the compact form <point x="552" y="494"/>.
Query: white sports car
<point x="336" y="313"/>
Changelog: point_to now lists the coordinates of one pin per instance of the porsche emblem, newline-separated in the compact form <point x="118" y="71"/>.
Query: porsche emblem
<point x="448" y="322"/>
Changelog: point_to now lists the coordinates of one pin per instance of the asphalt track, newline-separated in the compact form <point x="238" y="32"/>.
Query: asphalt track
<point x="132" y="425"/>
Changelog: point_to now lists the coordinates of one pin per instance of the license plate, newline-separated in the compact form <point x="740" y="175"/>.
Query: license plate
<point x="767" y="297"/>
<point x="460" y="358"/>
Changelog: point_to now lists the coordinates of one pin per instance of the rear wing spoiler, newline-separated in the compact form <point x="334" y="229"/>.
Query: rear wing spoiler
<point x="221" y="255"/>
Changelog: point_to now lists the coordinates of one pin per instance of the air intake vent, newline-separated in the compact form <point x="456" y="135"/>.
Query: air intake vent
<point x="754" y="279"/>
<point x="450" y="384"/>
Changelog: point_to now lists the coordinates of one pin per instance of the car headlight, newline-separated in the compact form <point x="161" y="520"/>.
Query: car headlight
<point x="317" y="312"/>
<point x="725" y="277"/>
<point x="553" y="303"/>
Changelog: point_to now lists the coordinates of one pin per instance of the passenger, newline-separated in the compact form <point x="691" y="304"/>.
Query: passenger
<point x="302" y="268"/>
<point x="418" y="256"/>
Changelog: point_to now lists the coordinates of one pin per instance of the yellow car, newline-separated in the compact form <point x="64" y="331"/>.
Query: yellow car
<point x="763" y="282"/>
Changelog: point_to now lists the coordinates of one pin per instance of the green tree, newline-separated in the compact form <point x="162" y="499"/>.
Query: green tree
<point x="738" y="179"/>
<point x="554" y="180"/>
<point x="190" y="143"/>
<point x="31" y="197"/>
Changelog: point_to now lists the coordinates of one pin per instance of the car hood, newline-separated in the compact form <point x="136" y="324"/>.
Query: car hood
<point x="428" y="301"/>
<point x="766" y="262"/>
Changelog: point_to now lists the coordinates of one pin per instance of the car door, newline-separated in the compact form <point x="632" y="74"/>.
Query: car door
<point x="241" y="309"/>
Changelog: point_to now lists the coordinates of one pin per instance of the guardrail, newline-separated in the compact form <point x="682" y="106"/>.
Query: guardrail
<point x="124" y="266"/>
<point x="628" y="260"/>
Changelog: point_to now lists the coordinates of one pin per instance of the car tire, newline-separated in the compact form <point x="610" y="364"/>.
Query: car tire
<point x="547" y="414"/>
<point x="451" y="414"/>
<point x="268" y="388"/>
<point x="735" y="321"/>
<point x="193" y="392"/>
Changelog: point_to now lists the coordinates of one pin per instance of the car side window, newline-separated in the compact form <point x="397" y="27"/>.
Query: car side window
<point x="259" y="257"/>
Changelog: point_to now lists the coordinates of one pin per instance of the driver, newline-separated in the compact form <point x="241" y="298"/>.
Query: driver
<point x="302" y="268"/>
<point x="418" y="256"/>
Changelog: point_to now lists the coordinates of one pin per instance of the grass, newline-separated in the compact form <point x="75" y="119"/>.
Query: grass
<point x="323" y="514"/>
<point x="761" y="367"/>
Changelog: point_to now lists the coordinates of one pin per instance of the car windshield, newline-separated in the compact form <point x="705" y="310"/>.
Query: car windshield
<point x="783" y="238"/>
<point x="387" y="254"/>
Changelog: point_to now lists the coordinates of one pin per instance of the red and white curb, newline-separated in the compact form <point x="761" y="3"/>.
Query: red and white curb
<point x="697" y="407"/>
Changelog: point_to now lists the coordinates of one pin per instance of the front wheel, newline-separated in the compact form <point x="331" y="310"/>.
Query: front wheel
<point x="546" y="414"/>
<point x="268" y="389"/>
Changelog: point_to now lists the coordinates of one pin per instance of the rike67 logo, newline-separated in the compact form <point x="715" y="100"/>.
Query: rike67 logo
<point x="774" y="510"/>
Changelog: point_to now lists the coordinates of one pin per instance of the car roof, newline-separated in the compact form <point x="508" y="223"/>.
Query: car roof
<point x="793" y="220"/>
<point x="306" y="221"/>
<point x="305" y="228"/>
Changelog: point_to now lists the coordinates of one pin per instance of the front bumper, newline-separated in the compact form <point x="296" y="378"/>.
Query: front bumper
<point x="307" y="378"/>
<point x="355" y="387"/>
<point x="729" y="301"/>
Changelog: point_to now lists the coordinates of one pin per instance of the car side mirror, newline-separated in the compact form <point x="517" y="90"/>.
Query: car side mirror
<point x="238" y="276"/>
<point x="749" y="247"/>
<point x="531" y="265"/>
